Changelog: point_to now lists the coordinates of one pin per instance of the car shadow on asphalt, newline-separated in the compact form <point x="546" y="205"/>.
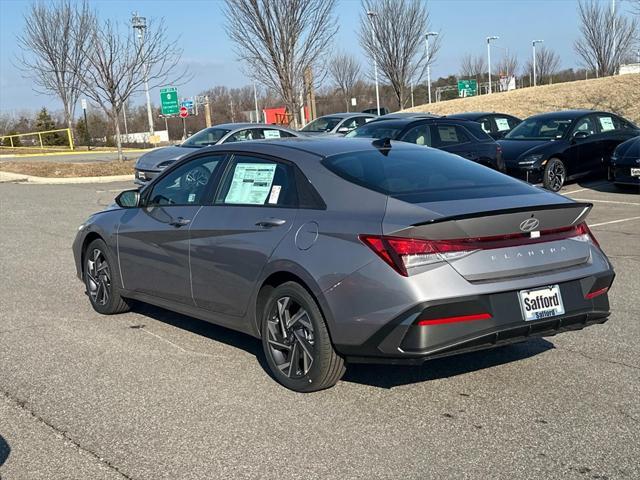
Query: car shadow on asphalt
<point x="4" y="450"/>
<point x="382" y="376"/>
<point x="389" y="376"/>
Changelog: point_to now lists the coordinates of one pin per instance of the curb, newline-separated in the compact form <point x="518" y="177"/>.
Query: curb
<point x="9" y="177"/>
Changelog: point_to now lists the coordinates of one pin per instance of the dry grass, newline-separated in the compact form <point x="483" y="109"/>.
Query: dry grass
<point x="67" y="169"/>
<point x="620" y="94"/>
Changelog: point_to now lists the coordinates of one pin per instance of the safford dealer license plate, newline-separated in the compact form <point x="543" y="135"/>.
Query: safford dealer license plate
<point x="541" y="303"/>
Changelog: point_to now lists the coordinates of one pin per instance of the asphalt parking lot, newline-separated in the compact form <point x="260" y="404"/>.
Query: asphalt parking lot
<point x="155" y="395"/>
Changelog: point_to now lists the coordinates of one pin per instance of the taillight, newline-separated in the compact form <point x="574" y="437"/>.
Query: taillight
<point x="596" y="293"/>
<point x="404" y="253"/>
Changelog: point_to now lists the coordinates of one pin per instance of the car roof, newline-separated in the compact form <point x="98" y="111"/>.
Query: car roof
<point x="564" y="114"/>
<point x="405" y="121"/>
<point x="320" y="146"/>
<point x="348" y="114"/>
<point x="475" y="115"/>
<point x="396" y="115"/>
<point x="234" y="126"/>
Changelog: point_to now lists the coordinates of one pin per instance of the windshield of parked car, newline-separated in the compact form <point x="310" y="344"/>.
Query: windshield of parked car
<point x="208" y="136"/>
<point x="322" y="124"/>
<point x="375" y="130"/>
<point x="423" y="175"/>
<point x="540" y="129"/>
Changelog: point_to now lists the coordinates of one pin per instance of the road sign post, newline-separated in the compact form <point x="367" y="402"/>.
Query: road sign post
<point x="467" y="88"/>
<point x="184" y="113"/>
<point x="87" y="137"/>
<point x="169" y="101"/>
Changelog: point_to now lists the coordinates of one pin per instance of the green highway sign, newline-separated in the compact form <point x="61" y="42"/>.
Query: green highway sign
<point x="169" y="101"/>
<point x="467" y="88"/>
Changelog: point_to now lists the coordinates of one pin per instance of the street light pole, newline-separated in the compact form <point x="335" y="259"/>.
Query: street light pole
<point x="371" y="14"/>
<point x="255" y="99"/>
<point x="426" y="38"/>
<point x="140" y="24"/>
<point x="489" y="57"/>
<point x="534" y="60"/>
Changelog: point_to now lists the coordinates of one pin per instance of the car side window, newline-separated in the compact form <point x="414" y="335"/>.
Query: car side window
<point x="420" y="135"/>
<point x="609" y="123"/>
<point x="513" y="123"/>
<point x="586" y="125"/>
<point x="242" y="136"/>
<point x="269" y="133"/>
<point x="502" y="124"/>
<point x="186" y="185"/>
<point x="448" y="135"/>
<point x="258" y="182"/>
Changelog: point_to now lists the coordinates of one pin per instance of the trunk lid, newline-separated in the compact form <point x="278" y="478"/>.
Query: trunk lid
<point x="500" y="240"/>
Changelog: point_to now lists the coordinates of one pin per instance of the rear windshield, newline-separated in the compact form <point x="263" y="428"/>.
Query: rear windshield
<point x="424" y="175"/>
<point x="379" y="129"/>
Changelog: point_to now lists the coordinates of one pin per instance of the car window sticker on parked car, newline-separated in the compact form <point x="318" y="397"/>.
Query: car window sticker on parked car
<point x="606" y="124"/>
<point x="251" y="183"/>
<point x="502" y="124"/>
<point x="275" y="194"/>
<point x="271" y="134"/>
<point x="447" y="133"/>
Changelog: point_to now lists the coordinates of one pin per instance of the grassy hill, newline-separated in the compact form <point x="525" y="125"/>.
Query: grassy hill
<point x="620" y="94"/>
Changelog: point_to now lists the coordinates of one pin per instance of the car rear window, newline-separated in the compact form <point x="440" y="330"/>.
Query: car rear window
<point x="423" y="175"/>
<point x="380" y="129"/>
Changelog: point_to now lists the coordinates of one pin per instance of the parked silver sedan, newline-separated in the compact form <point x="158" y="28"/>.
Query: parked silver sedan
<point x="336" y="123"/>
<point x="151" y="164"/>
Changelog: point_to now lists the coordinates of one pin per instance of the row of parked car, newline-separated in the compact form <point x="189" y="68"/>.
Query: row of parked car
<point x="549" y="148"/>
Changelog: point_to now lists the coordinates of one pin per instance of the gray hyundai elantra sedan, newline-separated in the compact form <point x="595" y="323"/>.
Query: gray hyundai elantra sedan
<point x="339" y="250"/>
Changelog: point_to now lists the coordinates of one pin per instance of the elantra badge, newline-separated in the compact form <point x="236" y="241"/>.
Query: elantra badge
<point x="529" y="224"/>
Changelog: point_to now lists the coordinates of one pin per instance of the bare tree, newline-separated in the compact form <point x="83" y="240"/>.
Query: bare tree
<point x="344" y="70"/>
<point x="508" y="64"/>
<point x="54" y="36"/>
<point x="116" y="63"/>
<point x="473" y="66"/>
<point x="606" y="37"/>
<point x="397" y="45"/>
<point x="547" y="64"/>
<point x="280" y="39"/>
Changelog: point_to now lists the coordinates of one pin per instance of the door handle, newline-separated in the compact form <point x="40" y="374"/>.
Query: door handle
<point x="270" y="222"/>
<point x="180" y="222"/>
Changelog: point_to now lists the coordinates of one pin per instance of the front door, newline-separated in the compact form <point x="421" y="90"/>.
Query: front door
<point x="153" y="240"/>
<point x="232" y="239"/>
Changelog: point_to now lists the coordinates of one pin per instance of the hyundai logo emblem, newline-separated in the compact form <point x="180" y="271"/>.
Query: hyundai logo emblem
<point x="529" y="224"/>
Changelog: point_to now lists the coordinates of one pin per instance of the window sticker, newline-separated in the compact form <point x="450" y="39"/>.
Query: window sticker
<point x="447" y="133"/>
<point x="271" y="134"/>
<point x="275" y="194"/>
<point x="502" y="124"/>
<point x="192" y="198"/>
<point x="251" y="183"/>
<point x="606" y="123"/>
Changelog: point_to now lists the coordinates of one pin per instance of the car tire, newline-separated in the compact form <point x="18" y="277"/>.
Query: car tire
<point x="555" y="174"/>
<point x="293" y="328"/>
<point x="99" y="278"/>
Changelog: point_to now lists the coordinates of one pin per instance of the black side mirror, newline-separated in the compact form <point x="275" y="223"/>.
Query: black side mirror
<point x="128" y="199"/>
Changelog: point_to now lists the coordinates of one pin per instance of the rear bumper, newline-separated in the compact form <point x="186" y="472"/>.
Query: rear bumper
<point x="403" y="341"/>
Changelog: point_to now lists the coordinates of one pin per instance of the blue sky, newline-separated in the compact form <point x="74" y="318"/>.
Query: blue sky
<point x="199" y="27"/>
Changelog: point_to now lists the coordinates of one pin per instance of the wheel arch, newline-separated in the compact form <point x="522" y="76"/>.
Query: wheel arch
<point x="277" y="275"/>
<point x="88" y="238"/>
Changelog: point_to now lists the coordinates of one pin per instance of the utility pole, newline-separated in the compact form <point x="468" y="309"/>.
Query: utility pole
<point x="140" y="24"/>
<point x="83" y="102"/>
<point x="489" y="57"/>
<point x="207" y="111"/>
<point x="613" y="19"/>
<point x="124" y="116"/>
<point x="426" y="39"/>
<point x="255" y="99"/>
<point x="533" y="44"/>
<point x="371" y="14"/>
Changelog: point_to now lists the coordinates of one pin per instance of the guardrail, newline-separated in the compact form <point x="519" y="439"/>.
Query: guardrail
<point x="43" y="145"/>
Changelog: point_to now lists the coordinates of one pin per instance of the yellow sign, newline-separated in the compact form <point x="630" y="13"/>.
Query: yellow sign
<point x="154" y="139"/>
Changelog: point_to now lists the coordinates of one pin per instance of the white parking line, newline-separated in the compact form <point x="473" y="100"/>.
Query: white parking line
<point x="589" y="187"/>
<point x="615" y="221"/>
<point x="606" y="201"/>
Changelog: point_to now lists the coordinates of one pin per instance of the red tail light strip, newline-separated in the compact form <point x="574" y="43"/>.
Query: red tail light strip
<point x="597" y="293"/>
<point x="393" y="249"/>
<point x="461" y="318"/>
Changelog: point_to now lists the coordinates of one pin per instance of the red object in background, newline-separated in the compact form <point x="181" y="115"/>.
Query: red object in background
<point x="184" y="112"/>
<point x="279" y="115"/>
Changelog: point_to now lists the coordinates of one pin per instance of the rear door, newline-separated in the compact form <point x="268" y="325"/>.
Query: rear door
<point x="233" y="237"/>
<point x="502" y="125"/>
<point x="454" y="139"/>
<point x="585" y="154"/>
<point x="153" y="241"/>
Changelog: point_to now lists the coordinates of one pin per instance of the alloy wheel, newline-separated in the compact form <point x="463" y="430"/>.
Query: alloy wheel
<point x="291" y="337"/>
<point x="98" y="278"/>
<point x="556" y="176"/>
